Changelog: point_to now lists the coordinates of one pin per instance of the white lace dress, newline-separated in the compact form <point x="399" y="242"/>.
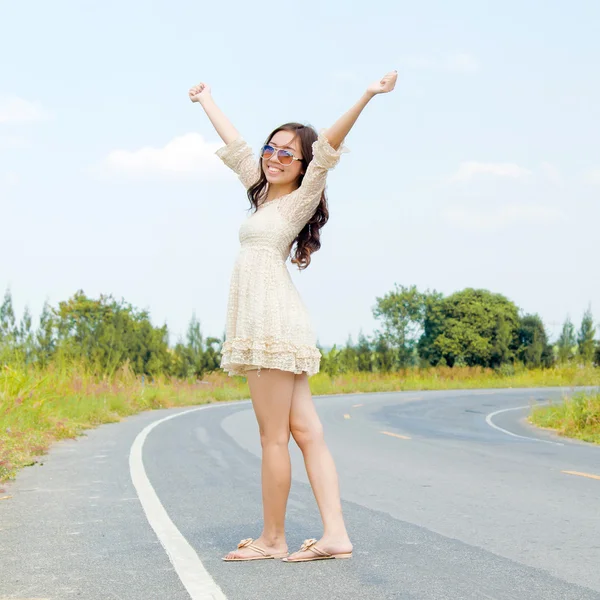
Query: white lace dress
<point x="268" y="325"/>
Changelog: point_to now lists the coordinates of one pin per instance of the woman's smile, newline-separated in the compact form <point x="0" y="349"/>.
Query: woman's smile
<point x="273" y="170"/>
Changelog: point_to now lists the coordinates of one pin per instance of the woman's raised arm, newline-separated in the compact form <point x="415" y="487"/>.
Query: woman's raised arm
<point x="339" y="130"/>
<point x="201" y="93"/>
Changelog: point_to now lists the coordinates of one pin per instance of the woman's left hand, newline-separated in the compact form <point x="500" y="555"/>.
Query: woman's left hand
<point x="386" y="84"/>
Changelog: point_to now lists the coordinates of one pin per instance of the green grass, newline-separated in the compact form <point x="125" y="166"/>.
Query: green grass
<point x="576" y="417"/>
<point x="38" y="408"/>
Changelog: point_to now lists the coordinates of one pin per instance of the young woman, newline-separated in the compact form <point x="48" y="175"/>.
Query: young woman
<point x="270" y="339"/>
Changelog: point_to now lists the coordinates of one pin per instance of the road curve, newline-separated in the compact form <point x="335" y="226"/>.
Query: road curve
<point x="447" y="495"/>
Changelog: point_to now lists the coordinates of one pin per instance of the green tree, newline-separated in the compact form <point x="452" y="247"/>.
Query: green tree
<point x="364" y="353"/>
<point x="181" y="360"/>
<point x="534" y="349"/>
<point x="195" y="340"/>
<point x="25" y="338"/>
<point x="566" y="342"/>
<point x="330" y="362"/>
<point x="471" y="327"/>
<point x="105" y="334"/>
<point x="195" y="345"/>
<point x="148" y="347"/>
<point x="401" y="312"/>
<point x="195" y="357"/>
<point x="340" y="360"/>
<point x="212" y="354"/>
<point x="503" y="346"/>
<point x="44" y="337"/>
<point x="349" y="357"/>
<point x="585" y="338"/>
<point x="384" y="356"/>
<point x="433" y="322"/>
<point x="8" y="330"/>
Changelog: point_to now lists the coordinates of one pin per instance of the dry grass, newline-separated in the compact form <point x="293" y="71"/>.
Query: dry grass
<point x="446" y="378"/>
<point x="39" y="408"/>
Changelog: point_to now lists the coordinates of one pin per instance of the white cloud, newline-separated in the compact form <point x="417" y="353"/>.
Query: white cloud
<point x="479" y="220"/>
<point x="457" y="63"/>
<point x="468" y="170"/>
<point x="593" y="176"/>
<point x="14" y="109"/>
<point x="186" y="156"/>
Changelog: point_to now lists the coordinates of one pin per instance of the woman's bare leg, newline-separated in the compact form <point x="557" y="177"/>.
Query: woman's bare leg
<point x="271" y="394"/>
<point x="307" y="430"/>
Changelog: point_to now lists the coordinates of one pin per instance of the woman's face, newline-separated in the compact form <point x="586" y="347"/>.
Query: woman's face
<point x="275" y="172"/>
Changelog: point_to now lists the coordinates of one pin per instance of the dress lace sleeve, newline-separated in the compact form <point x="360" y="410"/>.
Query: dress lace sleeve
<point x="300" y="206"/>
<point x="237" y="155"/>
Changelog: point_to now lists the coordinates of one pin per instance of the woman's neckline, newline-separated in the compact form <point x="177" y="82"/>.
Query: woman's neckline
<point x="280" y="197"/>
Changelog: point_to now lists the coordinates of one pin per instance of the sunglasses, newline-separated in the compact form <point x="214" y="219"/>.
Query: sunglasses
<point x="285" y="157"/>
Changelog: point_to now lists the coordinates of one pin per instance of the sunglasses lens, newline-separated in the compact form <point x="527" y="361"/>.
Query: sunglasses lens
<point x="285" y="158"/>
<point x="267" y="152"/>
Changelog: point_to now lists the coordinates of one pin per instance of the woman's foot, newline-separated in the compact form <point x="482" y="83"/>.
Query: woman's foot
<point x="325" y="546"/>
<point x="258" y="549"/>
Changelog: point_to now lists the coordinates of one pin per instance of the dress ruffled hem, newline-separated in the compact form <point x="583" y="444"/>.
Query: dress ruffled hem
<point x="241" y="355"/>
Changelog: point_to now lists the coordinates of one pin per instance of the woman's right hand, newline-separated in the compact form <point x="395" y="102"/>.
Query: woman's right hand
<point x="199" y="92"/>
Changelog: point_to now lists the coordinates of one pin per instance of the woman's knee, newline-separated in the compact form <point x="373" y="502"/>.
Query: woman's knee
<point x="274" y="438"/>
<point x="306" y="434"/>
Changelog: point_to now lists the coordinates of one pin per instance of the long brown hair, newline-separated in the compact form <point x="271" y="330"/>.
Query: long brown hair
<point x="309" y="239"/>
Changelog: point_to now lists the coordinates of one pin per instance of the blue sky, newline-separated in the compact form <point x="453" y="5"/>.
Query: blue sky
<point x="482" y="169"/>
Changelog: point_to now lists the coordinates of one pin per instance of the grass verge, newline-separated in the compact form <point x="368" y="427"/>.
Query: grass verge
<point x="577" y="417"/>
<point x="37" y="409"/>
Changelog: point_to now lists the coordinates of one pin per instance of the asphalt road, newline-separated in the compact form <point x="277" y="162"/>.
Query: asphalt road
<point x="458" y="499"/>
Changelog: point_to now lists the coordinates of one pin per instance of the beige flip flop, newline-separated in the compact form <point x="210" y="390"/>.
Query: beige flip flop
<point x="310" y="545"/>
<point x="262" y="553"/>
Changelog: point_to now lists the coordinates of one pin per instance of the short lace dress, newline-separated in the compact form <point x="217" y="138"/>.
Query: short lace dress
<point x="268" y="325"/>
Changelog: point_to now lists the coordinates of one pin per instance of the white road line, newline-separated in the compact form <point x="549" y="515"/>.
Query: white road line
<point x="488" y="420"/>
<point x="188" y="566"/>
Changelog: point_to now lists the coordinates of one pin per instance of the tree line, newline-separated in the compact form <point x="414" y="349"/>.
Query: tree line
<point x="468" y="328"/>
<point x="103" y="334"/>
<point x="417" y="329"/>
